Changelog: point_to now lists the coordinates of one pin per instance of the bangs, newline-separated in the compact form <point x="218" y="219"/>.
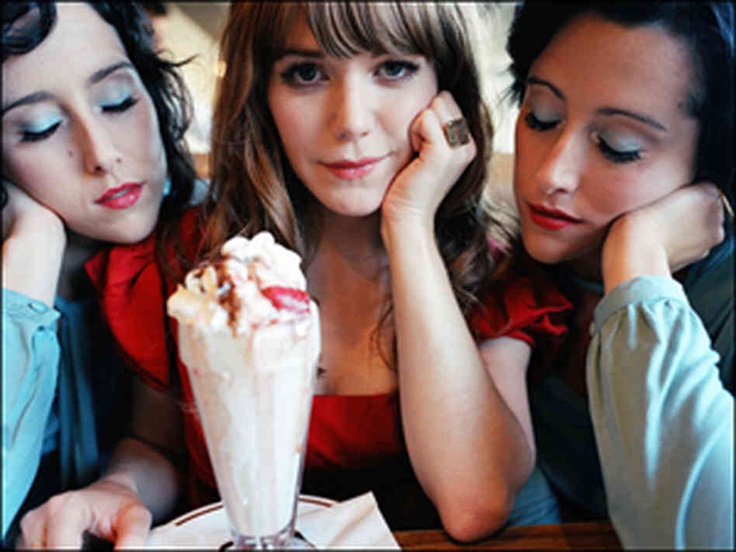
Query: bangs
<point x="344" y="29"/>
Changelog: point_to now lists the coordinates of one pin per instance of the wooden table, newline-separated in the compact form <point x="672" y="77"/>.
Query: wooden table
<point x="566" y="536"/>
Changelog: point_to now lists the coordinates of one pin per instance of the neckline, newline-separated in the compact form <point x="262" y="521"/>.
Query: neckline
<point x="591" y="286"/>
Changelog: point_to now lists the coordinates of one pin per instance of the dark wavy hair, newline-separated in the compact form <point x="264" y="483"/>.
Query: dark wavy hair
<point x="707" y="28"/>
<point x="255" y="186"/>
<point x="26" y="24"/>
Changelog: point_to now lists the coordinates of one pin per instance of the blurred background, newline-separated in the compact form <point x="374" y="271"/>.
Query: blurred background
<point x="186" y="29"/>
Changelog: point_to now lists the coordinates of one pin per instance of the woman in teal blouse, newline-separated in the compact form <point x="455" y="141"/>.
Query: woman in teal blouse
<point x="92" y="154"/>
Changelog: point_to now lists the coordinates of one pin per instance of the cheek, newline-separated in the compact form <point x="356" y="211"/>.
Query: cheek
<point x="399" y="116"/>
<point x="294" y="124"/>
<point x="37" y="173"/>
<point x="143" y="138"/>
<point x="524" y="164"/>
<point x="628" y="189"/>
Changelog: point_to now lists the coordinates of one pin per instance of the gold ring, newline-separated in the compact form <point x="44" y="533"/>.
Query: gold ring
<point x="726" y="205"/>
<point x="457" y="132"/>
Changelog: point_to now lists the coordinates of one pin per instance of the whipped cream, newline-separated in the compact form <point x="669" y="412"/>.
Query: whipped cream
<point x="230" y="291"/>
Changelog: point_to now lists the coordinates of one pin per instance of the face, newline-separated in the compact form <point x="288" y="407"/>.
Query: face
<point x="80" y="133"/>
<point x="603" y="129"/>
<point x="344" y="123"/>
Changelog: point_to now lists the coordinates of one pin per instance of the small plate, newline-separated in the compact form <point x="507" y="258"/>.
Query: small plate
<point x="208" y="527"/>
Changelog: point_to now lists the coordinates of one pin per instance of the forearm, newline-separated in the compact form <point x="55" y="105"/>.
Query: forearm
<point x="655" y="393"/>
<point x="144" y="463"/>
<point x="467" y="447"/>
<point x="32" y="256"/>
<point x="148" y="473"/>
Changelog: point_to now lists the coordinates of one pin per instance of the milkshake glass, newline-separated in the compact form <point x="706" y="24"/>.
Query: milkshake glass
<point x="249" y="336"/>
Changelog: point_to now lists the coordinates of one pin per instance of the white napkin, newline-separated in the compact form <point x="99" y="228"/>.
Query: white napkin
<point x="354" y="523"/>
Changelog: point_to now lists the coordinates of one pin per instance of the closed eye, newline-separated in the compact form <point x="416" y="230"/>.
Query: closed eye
<point x="120" y="107"/>
<point x="28" y="135"/>
<point x="535" y="123"/>
<point x="615" y="155"/>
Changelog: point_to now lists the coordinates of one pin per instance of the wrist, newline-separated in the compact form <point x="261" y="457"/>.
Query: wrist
<point x="32" y="257"/>
<point x="407" y="233"/>
<point x="631" y="251"/>
<point x="42" y="227"/>
<point x="122" y="478"/>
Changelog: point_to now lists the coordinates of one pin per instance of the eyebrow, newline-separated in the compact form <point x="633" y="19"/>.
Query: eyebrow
<point x="95" y="78"/>
<point x="603" y="110"/>
<point x="302" y="52"/>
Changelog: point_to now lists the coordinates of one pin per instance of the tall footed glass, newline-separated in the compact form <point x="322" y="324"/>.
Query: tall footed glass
<point x="253" y="394"/>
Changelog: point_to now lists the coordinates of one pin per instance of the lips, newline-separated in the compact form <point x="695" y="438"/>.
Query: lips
<point x="551" y="219"/>
<point x="349" y="170"/>
<point x="121" y="197"/>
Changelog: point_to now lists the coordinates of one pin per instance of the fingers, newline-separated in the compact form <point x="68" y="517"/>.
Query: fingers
<point x="714" y="207"/>
<point x="419" y="188"/>
<point x="133" y="526"/>
<point x="45" y="526"/>
<point x="441" y="126"/>
<point x="42" y="528"/>
<point x="701" y="205"/>
<point x="441" y="135"/>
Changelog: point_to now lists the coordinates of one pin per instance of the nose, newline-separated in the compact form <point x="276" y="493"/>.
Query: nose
<point x="99" y="152"/>
<point x="351" y="112"/>
<point x="563" y="164"/>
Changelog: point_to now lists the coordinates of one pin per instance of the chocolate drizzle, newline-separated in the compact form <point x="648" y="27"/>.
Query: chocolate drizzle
<point x="226" y="294"/>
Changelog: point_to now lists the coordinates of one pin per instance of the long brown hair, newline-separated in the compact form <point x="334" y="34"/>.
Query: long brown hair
<point x="253" y="185"/>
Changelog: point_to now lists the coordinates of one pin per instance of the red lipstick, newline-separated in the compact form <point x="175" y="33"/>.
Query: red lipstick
<point x="121" y="197"/>
<point x="350" y="170"/>
<point x="551" y="219"/>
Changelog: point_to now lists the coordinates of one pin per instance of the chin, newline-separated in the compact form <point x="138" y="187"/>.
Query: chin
<point x="129" y="233"/>
<point x="544" y="251"/>
<point x="357" y="209"/>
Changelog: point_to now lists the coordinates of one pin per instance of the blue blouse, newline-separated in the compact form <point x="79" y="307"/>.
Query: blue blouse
<point x="653" y="446"/>
<point x="64" y="391"/>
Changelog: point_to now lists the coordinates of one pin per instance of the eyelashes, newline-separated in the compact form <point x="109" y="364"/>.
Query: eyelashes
<point x="36" y="136"/>
<point x="537" y="124"/>
<point x="615" y="155"/>
<point x="398" y="69"/>
<point x="302" y="74"/>
<point x="120" y="107"/>
<point x="30" y="135"/>
<point x="306" y="74"/>
<point x="609" y="152"/>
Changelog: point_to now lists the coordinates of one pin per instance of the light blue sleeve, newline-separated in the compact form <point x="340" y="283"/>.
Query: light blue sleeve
<point x="664" y="423"/>
<point x="30" y="361"/>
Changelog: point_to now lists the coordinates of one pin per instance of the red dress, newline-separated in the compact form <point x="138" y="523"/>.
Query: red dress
<point x="355" y="443"/>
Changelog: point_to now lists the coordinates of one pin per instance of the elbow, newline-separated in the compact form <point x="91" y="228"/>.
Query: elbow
<point x="472" y="520"/>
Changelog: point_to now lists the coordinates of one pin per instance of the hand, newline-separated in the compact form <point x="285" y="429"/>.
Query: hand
<point x="34" y="241"/>
<point x="420" y="187"/>
<point x="106" y="509"/>
<point x="664" y="236"/>
<point x="23" y="214"/>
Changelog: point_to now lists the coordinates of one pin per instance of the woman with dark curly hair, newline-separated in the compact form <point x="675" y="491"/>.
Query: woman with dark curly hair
<point x="624" y="166"/>
<point x="92" y="155"/>
<point x="356" y="134"/>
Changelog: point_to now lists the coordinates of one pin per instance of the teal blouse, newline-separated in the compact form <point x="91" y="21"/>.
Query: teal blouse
<point x="64" y="392"/>
<point x="653" y="446"/>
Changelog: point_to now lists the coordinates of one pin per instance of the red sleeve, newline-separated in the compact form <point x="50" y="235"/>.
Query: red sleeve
<point x="524" y="307"/>
<point x="132" y="294"/>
